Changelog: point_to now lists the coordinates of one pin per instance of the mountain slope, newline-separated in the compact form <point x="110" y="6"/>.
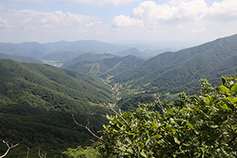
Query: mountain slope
<point x="36" y="103"/>
<point x="180" y="71"/>
<point x="106" y="66"/>
<point x="131" y="51"/>
<point x="20" y="58"/>
<point x="87" y="57"/>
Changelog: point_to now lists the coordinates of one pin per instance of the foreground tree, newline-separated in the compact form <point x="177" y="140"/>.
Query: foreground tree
<point x="201" y="125"/>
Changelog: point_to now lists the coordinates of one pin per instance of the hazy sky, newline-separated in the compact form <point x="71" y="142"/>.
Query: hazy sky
<point x="116" y="20"/>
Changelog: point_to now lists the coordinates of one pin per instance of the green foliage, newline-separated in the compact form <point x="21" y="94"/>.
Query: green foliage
<point x="80" y="152"/>
<point x="201" y="125"/>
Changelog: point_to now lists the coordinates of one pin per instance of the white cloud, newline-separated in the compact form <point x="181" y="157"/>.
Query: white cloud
<point x="93" y="2"/>
<point x="29" y="0"/>
<point x="28" y="19"/>
<point x="222" y="11"/>
<point x="152" y="14"/>
<point x="114" y="2"/>
<point x="126" y="21"/>
<point x="149" y="11"/>
<point x="46" y="26"/>
<point x="3" y="23"/>
<point x="190" y="30"/>
<point x="176" y="2"/>
<point x="3" y="8"/>
<point x="181" y="28"/>
<point x="150" y="20"/>
<point x="202" y="29"/>
<point x="93" y="23"/>
<point x="182" y="16"/>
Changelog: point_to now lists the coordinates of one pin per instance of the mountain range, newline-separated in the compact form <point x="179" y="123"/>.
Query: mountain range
<point x="174" y="72"/>
<point x="37" y="100"/>
<point x="64" y="51"/>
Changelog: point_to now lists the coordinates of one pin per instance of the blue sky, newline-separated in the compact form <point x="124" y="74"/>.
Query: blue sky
<point x="116" y="20"/>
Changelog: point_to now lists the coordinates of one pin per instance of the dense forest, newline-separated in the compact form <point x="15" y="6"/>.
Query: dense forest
<point x="104" y="65"/>
<point x="37" y="100"/>
<point x="174" y="72"/>
<point x="36" y="103"/>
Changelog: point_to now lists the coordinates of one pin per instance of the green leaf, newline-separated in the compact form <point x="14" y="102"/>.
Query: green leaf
<point x="105" y="127"/>
<point x="224" y="89"/>
<point x="214" y="126"/>
<point x="129" y="133"/>
<point x="143" y="153"/>
<point x="230" y="99"/>
<point x="156" y="136"/>
<point x="207" y="100"/>
<point x="223" y="106"/>
<point x="130" y="150"/>
<point x="176" y="140"/>
<point x="234" y="88"/>
<point x="189" y="124"/>
<point x="234" y="99"/>
<point x="223" y="81"/>
<point x="228" y="122"/>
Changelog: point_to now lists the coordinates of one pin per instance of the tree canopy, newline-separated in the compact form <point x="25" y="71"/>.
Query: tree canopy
<point x="200" y="125"/>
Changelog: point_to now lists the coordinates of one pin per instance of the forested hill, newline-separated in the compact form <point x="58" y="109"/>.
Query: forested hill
<point x="36" y="103"/>
<point x="174" y="72"/>
<point x="20" y="58"/>
<point x="87" y="57"/>
<point x="106" y="65"/>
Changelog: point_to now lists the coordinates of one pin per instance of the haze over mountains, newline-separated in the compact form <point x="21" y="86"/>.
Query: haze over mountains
<point x="68" y="50"/>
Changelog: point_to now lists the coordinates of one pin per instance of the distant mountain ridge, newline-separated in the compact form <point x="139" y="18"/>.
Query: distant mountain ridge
<point x="141" y="54"/>
<point x="64" y="51"/>
<point x="39" y="50"/>
<point x="180" y="71"/>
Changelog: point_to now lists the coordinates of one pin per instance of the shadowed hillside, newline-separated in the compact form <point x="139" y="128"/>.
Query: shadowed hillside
<point x="36" y="103"/>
